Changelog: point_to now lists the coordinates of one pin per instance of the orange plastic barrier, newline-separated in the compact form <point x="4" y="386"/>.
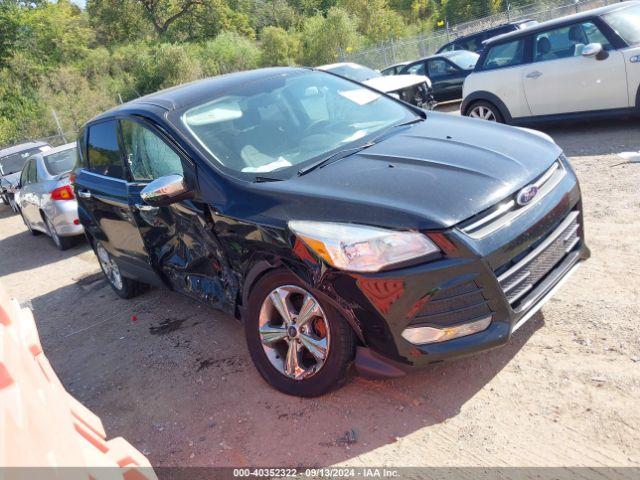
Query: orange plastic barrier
<point x="41" y="424"/>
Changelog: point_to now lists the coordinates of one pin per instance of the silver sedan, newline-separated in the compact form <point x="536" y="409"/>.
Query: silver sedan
<point x="46" y="199"/>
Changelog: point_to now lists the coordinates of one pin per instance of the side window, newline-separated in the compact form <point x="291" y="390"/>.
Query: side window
<point x="33" y="172"/>
<point x="148" y="156"/>
<point x="505" y="55"/>
<point x="439" y="68"/>
<point x="566" y="41"/>
<point x="103" y="150"/>
<point x="24" y="176"/>
<point x="416" y="69"/>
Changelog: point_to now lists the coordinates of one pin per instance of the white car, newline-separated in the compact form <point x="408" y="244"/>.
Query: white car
<point x="414" y="89"/>
<point x="578" y="66"/>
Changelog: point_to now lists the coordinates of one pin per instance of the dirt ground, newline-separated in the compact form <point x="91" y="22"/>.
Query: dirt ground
<point x="176" y="380"/>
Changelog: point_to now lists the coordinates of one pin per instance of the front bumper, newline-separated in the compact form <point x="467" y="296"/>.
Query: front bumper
<point x="464" y="285"/>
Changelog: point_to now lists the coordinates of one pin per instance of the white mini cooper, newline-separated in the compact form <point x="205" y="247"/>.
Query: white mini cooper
<point x="578" y="66"/>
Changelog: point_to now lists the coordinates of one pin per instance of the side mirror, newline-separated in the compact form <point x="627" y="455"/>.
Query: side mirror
<point x="594" y="50"/>
<point x="165" y="191"/>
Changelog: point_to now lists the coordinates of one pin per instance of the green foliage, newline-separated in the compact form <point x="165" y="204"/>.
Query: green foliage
<point x="279" y="47"/>
<point x="323" y="38"/>
<point x="53" y="55"/>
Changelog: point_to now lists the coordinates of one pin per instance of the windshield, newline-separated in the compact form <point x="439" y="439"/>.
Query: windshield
<point x="626" y="23"/>
<point x="13" y="163"/>
<point x="354" y="72"/>
<point x="61" y="162"/>
<point x="280" y="123"/>
<point x="465" y="60"/>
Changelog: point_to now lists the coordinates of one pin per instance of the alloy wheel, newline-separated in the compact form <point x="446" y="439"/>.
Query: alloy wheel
<point x="294" y="332"/>
<point x="109" y="267"/>
<point x="483" y="113"/>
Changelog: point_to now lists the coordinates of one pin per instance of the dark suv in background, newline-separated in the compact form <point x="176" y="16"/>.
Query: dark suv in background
<point x="337" y="223"/>
<point x="474" y="41"/>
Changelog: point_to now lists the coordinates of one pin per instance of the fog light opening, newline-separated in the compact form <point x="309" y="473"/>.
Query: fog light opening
<point x="424" y="335"/>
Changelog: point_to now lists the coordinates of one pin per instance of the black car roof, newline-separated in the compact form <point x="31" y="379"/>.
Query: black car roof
<point x="485" y="30"/>
<point x="198" y="91"/>
<point x="596" y="12"/>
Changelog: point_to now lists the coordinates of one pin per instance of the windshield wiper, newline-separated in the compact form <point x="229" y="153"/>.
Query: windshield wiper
<point x="260" y="179"/>
<point x="350" y="151"/>
<point x="334" y="156"/>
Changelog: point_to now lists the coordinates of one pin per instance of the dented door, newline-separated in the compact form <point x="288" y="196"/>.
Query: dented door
<point x="179" y="238"/>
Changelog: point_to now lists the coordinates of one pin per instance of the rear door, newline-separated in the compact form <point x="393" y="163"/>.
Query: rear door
<point x="560" y="80"/>
<point x="179" y="238"/>
<point x="102" y="193"/>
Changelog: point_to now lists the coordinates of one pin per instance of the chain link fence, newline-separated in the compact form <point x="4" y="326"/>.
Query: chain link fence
<point x="408" y="49"/>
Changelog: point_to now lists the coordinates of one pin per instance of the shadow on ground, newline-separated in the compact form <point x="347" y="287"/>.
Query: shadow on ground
<point x="41" y="250"/>
<point x="175" y="379"/>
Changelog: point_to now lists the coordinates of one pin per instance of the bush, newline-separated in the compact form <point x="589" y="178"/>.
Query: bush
<point x="279" y="47"/>
<point x="228" y="52"/>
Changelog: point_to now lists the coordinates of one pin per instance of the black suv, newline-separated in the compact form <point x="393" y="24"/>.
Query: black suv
<point x="337" y="223"/>
<point x="474" y="42"/>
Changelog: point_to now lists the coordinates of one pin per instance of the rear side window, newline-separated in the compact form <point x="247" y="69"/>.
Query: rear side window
<point x="103" y="150"/>
<point x="504" y="55"/>
<point x="32" y="174"/>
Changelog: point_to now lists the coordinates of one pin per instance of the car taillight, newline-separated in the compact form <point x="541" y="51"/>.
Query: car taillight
<point x="62" y="193"/>
<point x="72" y="177"/>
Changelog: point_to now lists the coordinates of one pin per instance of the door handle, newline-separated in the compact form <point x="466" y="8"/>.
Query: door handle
<point x="534" y="74"/>
<point x="84" y="194"/>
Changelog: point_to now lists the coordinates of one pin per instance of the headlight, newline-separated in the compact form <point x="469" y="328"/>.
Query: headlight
<point x="359" y="248"/>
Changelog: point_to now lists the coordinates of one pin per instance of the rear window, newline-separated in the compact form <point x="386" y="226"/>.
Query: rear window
<point x="61" y="162"/>
<point x="103" y="150"/>
<point x="504" y="55"/>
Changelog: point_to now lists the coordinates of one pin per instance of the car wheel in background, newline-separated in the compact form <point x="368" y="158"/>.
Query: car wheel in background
<point x="299" y="344"/>
<point x="61" y="243"/>
<point x="123" y="286"/>
<point x="485" y="111"/>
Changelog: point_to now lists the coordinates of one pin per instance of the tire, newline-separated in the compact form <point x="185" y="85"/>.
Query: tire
<point x="325" y="327"/>
<point x="485" y="111"/>
<point x="61" y="243"/>
<point x="125" y="287"/>
<point x="33" y="232"/>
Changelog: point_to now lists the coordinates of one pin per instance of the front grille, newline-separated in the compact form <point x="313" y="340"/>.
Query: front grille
<point x="506" y="212"/>
<point x="460" y="303"/>
<point x="527" y="269"/>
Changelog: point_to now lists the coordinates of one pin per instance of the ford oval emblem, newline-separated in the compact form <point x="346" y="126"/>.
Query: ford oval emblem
<point x="526" y="195"/>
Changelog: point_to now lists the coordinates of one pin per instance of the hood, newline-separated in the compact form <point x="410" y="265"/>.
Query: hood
<point x="392" y="83"/>
<point x="431" y="175"/>
<point x="10" y="180"/>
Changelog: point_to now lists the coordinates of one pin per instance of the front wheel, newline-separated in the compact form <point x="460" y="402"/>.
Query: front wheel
<point x="485" y="111"/>
<point x="123" y="286"/>
<point x="299" y="344"/>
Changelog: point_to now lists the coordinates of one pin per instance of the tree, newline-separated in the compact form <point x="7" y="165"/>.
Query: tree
<point x="279" y="47"/>
<point x="376" y="20"/>
<point x="324" y="38"/>
<point x="118" y="21"/>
